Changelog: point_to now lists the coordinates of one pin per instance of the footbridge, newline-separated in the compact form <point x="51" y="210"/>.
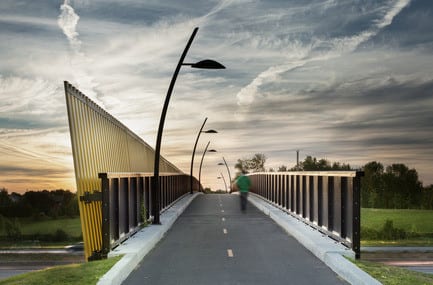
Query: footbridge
<point x="297" y="228"/>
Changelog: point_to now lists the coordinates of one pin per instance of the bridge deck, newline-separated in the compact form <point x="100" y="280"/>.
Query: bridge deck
<point x="213" y="242"/>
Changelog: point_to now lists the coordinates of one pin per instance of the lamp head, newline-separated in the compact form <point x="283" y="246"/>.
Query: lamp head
<point x="208" y="64"/>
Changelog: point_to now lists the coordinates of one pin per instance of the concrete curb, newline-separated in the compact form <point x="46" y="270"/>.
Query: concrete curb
<point x="136" y="247"/>
<point x="327" y="250"/>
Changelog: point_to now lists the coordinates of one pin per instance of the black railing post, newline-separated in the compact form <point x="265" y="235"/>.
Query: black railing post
<point x="105" y="186"/>
<point x="356" y="226"/>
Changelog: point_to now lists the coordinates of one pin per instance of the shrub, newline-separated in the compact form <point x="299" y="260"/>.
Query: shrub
<point x="391" y="233"/>
<point x="388" y="232"/>
<point x="61" y="235"/>
<point x="12" y="229"/>
<point x="369" y="234"/>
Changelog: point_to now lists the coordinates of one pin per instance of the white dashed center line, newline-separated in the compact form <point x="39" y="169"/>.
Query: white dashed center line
<point x="230" y="253"/>
<point x="225" y="231"/>
<point x="223" y="219"/>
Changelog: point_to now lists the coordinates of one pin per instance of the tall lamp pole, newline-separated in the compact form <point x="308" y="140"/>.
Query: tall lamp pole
<point x="201" y="162"/>
<point x="207" y="64"/>
<point x="228" y="171"/>
<point x="193" y="152"/>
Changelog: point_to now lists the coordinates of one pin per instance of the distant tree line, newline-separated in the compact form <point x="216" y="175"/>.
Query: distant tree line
<point x="257" y="164"/>
<point x="39" y="204"/>
<point x="393" y="187"/>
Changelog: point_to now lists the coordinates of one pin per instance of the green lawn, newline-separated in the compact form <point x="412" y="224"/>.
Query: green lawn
<point x="73" y="274"/>
<point x="28" y="227"/>
<point x="411" y="221"/>
<point x="72" y="226"/>
<point x="390" y="275"/>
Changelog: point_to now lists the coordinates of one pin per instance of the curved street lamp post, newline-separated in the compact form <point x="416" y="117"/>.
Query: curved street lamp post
<point x="201" y="162"/>
<point x="206" y="64"/>
<point x="225" y="184"/>
<point x="193" y="152"/>
<point x="228" y="171"/>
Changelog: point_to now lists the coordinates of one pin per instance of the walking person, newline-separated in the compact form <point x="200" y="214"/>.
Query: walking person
<point x="243" y="183"/>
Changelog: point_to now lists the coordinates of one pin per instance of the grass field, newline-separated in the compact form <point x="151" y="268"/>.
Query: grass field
<point x="390" y="275"/>
<point x="73" y="274"/>
<point x="411" y="221"/>
<point x="28" y="226"/>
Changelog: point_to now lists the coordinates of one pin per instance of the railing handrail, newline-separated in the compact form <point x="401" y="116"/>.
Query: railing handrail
<point x="335" y="173"/>
<point x="135" y="174"/>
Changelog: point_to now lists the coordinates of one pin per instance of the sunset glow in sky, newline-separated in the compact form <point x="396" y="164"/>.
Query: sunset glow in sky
<point x="349" y="81"/>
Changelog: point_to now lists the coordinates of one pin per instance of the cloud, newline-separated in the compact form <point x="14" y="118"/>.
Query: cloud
<point x="68" y="21"/>
<point x="322" y="49"/>
<point x="342" y="79"/>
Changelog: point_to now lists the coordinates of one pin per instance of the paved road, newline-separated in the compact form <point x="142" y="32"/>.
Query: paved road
<point x="9" y="271"/>
<point x="413" y="258"/>
<point x="213" y="242"/>
<point x="14" y="262"/>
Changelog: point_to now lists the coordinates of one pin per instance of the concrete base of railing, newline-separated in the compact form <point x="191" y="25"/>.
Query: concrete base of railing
<point x="137" y="246"/>
<point x="330" y="252"/>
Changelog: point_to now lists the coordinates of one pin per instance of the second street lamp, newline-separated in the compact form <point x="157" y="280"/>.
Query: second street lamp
<point x="193" y="152"/>
<point x="207" y="64"/>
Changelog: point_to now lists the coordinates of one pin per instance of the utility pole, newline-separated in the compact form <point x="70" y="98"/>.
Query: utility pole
<point x="297" y="159"/>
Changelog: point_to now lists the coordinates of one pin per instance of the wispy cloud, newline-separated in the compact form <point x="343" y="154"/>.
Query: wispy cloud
<point x="322" y="49"/>
<point x="68" y="21"/>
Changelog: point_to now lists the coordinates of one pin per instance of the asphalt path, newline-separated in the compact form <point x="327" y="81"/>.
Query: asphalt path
<point x="213" y="242"/>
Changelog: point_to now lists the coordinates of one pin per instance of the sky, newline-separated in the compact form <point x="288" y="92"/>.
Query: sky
<point x="348" y="81"/>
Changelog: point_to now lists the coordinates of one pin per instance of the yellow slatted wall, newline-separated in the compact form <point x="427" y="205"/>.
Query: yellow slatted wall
<point x="101" y="144"/>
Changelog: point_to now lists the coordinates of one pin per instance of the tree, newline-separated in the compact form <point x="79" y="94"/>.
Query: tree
<point x="312" y="164"/>
<point x="309" y="164"/>
<point x="372" y="185"/>
<point x="396" y="187"/>
<point x="282" y="168"/>
<point x="403" y="187"/>
<point x="257" y="163"/>
<point x="427" y="198"/>
<point x="254" y="164"/>
<point x="5" y="202"/>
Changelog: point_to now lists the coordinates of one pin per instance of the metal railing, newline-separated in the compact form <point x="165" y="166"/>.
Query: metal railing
<point x="126" y="203"/>
<point x="327" y="201"/>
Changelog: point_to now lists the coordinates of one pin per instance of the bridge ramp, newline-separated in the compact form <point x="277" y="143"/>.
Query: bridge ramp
<point x="214" y="242"/>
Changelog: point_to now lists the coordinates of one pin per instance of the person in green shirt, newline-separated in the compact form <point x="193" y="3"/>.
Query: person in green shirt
<point x="243" y="183"/>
